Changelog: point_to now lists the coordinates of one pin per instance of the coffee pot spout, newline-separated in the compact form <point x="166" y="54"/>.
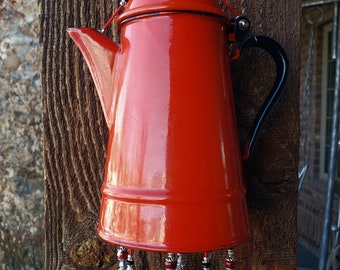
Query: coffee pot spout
<point x="99" y="53"/>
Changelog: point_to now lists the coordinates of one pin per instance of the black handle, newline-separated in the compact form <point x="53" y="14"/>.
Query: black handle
<point x="280" y="58"/>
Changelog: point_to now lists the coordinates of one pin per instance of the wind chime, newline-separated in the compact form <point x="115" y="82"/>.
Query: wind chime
<point x="173" y="179"/>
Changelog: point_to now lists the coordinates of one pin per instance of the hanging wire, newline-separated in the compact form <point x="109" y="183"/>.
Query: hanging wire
<point x="230" y="8"/>
<point x="306" y="94"/>
<point x="114" y="15"/>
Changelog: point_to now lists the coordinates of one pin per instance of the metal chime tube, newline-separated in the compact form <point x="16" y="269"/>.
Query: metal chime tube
<point x="206" y="261"/>
<point x="332" y="163"/>
<point x="318" y="3"/>
<point x="180" y="262"/>
<point x="130" y="264"/>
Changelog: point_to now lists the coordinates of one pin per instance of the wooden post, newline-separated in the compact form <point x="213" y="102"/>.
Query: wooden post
<point x="271" y="173"/>
<point x="76" y="136"/>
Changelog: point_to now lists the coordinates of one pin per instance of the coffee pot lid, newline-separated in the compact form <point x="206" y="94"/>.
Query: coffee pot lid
<point x="135" y="8"/>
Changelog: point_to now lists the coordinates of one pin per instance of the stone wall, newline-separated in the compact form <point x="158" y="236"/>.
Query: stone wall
<point x="21" y="147"/>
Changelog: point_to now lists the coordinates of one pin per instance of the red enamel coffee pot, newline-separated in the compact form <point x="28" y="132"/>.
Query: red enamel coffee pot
<point x="173" y="179"/>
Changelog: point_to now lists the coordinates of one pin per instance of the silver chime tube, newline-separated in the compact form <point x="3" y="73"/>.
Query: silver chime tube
<point x="318" y="3"/>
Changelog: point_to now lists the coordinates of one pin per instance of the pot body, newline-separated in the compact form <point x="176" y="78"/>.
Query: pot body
<point x="173" y="179"/>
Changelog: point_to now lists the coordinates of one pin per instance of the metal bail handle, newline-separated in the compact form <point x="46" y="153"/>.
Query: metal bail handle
<point x="280" y="58"/>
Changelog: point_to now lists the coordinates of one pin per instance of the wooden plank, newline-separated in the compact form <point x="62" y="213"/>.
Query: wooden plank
<point x="271" y="173"/>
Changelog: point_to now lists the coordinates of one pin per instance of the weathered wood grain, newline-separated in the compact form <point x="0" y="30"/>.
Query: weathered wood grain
<point x="271" y="173"/>
<point x="75" y="141"/>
